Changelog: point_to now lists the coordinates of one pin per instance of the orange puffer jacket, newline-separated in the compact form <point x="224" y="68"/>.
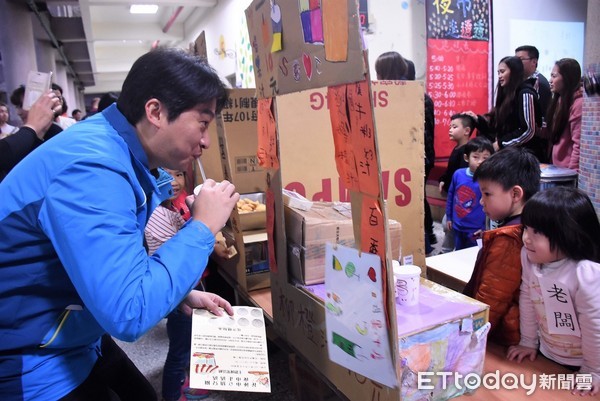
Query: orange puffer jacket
<point x="496" y="280"/>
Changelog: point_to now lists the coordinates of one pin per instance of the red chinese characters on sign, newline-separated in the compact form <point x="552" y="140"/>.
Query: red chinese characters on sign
<point x="457" y="81"/>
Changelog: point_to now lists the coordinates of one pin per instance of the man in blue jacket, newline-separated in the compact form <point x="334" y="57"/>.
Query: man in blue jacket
<point x="72" y="262"/>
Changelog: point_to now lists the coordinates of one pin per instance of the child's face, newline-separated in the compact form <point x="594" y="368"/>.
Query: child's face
<point x="476" y="158"/>
<point x="178" y="182"/>
<point x="537" y="247"/>
<point x="497" y="203"/>
<point x="458" y="131"/>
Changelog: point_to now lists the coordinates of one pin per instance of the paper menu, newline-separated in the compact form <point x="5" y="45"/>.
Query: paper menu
<point x="230" y="352"/>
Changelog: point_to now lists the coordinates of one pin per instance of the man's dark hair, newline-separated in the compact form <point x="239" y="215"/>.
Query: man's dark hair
<point x="106" y="100"/>
<point x="178" y="80"/>
<point x="532" y="51"/>
<point x="509" y="167"/>
<point x="465" y="119"/>
<point x="478" y="144"/>
<point x="17" y="96"/>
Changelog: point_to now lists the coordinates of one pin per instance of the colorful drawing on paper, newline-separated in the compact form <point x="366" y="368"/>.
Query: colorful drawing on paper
<point x="304" y="44"/>
<point x="460" y="19"/>
<point x="204" y="362"/>
<point x="355" y="320"/>
<point x="244" y="65"/>
<point x="277" y="44"/>
<point x="442" y="349"/>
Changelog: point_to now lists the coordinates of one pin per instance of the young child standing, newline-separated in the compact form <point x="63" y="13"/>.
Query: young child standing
<point x="507" y="180"/>
<point x="461" y="128"/>
<point x="559" y="296"/>
<point x="166" y="220"/>
<point x="464" y="213"/>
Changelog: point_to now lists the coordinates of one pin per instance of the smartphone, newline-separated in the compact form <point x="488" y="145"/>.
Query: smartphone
<point x="38" y="83"/>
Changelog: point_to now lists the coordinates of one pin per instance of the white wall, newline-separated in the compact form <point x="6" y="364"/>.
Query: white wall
<point x="221" y="28"/>
<point x="397" y="25"/>
<point x="555" y="27"/>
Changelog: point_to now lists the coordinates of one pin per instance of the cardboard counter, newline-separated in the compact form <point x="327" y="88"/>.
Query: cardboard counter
<point x="445" y="332"/>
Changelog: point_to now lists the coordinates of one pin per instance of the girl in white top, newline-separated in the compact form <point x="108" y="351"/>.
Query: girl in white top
<point x="559" y="302"/>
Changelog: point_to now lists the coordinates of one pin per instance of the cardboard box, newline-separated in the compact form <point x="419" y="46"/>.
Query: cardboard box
<point x="232" y="156"/>
<point x="307" y="154"/>
<point x="308" y="231"/>
<point x="254" y="220"/>
<point x="445" y="332"/>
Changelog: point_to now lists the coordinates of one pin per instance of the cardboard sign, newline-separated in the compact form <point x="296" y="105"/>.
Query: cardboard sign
<point x="200" y="46"/>
<point x="309" y="163"/>
<point x="304" y="44"/>
<point x="357" y="336"/>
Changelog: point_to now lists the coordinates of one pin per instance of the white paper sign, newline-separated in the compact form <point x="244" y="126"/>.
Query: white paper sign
<point x="230" y="352"/>
<point x="560" y="313"/>
<point x="357" y="335"/>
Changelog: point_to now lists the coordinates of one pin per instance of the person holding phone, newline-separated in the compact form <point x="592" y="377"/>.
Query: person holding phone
<point x="38" y="127"/>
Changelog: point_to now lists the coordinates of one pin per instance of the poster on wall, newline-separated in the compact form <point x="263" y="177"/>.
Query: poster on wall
<point x="458" y="54"/>
<point x="304" y="44"/>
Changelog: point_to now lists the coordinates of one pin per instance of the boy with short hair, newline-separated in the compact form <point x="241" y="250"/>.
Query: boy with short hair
<point x="507" y="180"/>
<point x="464" y="213"/>
<point x="461" y="128"/>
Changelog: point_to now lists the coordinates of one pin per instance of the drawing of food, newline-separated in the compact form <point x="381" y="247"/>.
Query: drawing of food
<point x="262" y="377"/>
<point x="204" y="362"/>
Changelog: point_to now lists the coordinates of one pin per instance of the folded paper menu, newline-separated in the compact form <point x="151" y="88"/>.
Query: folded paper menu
<point x="230" y="352"/>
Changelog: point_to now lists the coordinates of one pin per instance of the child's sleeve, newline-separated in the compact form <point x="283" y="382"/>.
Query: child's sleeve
<point x="527" y="319"/>
<point x="587" y="300"/>
<point x="450" y="198"/>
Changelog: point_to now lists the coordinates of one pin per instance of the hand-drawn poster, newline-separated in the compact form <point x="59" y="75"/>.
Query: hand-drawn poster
<point x="357" y="334"/>
<point x="230" y="352"/>
<point x="304" y="44"/>
<point x="458" y="62"/>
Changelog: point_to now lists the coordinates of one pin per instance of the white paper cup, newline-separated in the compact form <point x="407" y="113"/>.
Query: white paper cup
<point x="407" y="281"/>
<point x="197" y="189"/>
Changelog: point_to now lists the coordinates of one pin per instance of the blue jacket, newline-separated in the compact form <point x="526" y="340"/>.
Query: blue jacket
<point x="72" y="261"/>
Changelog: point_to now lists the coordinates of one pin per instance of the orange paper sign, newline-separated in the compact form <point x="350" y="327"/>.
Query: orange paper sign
<point x="267" y="135"/>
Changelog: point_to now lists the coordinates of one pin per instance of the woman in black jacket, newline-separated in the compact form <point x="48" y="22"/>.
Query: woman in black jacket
<point x="516" y="116"/>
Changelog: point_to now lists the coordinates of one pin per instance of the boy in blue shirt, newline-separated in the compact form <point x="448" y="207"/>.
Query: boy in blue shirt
<point x="464" y="212"/>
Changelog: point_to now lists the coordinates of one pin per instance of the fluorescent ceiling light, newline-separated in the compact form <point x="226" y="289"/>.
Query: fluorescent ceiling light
<point x="143" y="9"/>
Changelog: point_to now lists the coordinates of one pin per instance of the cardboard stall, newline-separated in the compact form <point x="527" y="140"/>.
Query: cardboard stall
<point x="311" y="44"/>
<point x="232" y="156"/>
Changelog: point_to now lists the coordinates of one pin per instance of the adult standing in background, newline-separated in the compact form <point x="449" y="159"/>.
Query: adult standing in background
<point x="38" y="126"/>
<point x="72" y="262"/>
<point x="516" y="115"/>
<point x="564" y="113"/>
<point x="392" y="66"/>
<point x="529" y="56"/>
<point x="63" y="119"/>
<point x="77" y="115"/>
<point x="5" y="128"/>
